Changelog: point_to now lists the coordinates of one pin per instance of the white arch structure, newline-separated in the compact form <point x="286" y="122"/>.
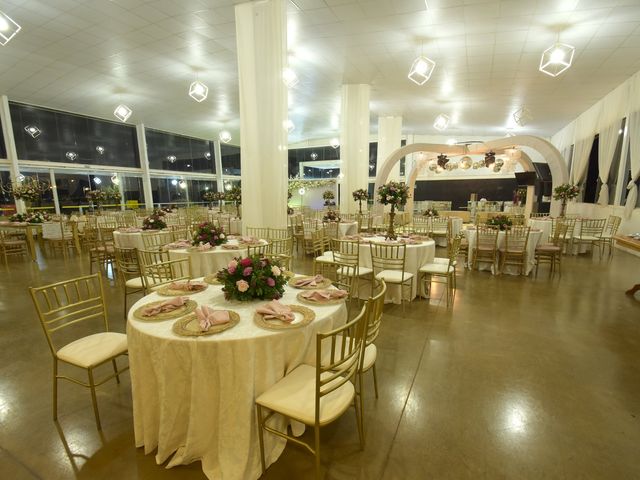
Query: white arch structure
<point x="559" y="172"/>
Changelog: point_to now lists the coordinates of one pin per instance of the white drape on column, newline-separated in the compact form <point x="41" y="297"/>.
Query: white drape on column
<point x="261" y="36"/>
<point x="634" y="151"/>
<point x="389" y="140"/>
<point x="606" y="148"/>
<point x="354" y="143"/>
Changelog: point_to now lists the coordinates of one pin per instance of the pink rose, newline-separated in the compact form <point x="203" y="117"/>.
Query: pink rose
<point x="231" y="269"/>
<point x="271" y="282"/>
<point x="232" y="264"/>
<point x="245" y="262"/>
<point x="247" y="271"/>
<point x="242" y="286"/>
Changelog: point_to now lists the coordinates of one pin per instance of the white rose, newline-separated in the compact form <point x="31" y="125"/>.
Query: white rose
<point x="222" y="235"/>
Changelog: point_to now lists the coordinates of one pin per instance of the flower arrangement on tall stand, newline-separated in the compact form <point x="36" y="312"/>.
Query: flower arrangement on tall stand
<point x="29" y="191"/>
<point x="97" y="198"/>
<point x="395" y="194"/>
<point x="208" y="232"/>
<point x="155" y="221"/>
<point x="329" y="198"/>
<point x="252" y="278"/>
<point x="113" y="195"/>
<point x="214" y="197"/>
<point x="235" y="195"/>
<point x="564" y="193"/>
<point x="360" y="195"/>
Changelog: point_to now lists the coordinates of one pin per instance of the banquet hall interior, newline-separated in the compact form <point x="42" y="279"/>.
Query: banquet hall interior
<point x="339" y="239"/>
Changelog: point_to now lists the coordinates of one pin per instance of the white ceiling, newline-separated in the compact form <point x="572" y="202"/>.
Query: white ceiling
<point x="87" y="56"/>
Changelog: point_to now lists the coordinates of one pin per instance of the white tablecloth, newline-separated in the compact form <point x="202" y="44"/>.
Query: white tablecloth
<point x="347" y="228"/>
<point x="545" y="226"/>
<point x="535" y="237"/>
<point x="416" y="256"/>
<point x="456" y="228"/>
<point x="128" y="240"/>
<point x="208" y="261"/>
<point x="227" y="221"/>
<point x="193" y="398"/>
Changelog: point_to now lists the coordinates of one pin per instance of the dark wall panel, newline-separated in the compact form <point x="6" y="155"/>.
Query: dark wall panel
<point x="459" y="191"/>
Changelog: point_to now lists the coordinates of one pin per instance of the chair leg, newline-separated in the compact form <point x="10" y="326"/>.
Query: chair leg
<point x="92" y="386"/>
<point x="55" y="389"/>
<point x="317" y="450"/>
<point x="261" y="437"/>
<point x="375" y="380"/>
<point x="357" y="405"/>
<point x="115" y="370"/>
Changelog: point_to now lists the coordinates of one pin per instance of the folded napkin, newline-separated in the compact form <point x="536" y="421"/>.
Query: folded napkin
<point x="274" y="310"/>
<point x="410" y="241"/>
<point x="129" y="229"/>
<point x="203" y="247"/>
<point x="323" y="295"/>
<point x="208" y="317"/>
<point x="250" y="240"/>
<point x="188" y="286"/>
<point x="308" y="282"/>
<point x="177" y="245"/>
<point x="232" y="246"/>
<point x="166" y="306"/>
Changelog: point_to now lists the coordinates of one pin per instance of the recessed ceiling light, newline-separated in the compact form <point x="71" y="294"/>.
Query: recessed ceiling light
<point x="225" y="136"/>
<point x="122" y="112"/>
<point x="421" y="70"/>
<point x="100" y="149"/>
<point x="441" y="122"/>
<point x="556" y="59"/>
<point x="289" y="77"/>
<point x="71" y="155"/>
<point x="32" y="130"/>
<point x="198" y="91"/>
<point x="8" y="28"/>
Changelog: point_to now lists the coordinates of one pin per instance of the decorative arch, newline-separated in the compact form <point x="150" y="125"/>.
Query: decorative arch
<point x="557" y="166"/>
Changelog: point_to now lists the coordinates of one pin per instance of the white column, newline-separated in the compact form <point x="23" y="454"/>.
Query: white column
<point x="10" y="145"/>
<point x="121" y="190"/>
<point x="217" y="154"/>
<point x="144" y="166"/>
<point x="261" y="36"/>
<point x="354" y="143"/>
<point x="389" y="139"/>
<point x="54" y="190"/>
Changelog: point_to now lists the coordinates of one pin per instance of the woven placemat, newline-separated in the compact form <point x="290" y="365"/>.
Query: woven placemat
<point x="188" y="307"/>
<point x="326" y="282"/>
<point x="319" y="303"/>
<point x="211" y="279"/>
<point x="190" y="327"/>
<point x="308" y="316"/>
<point x="169" y="292"/>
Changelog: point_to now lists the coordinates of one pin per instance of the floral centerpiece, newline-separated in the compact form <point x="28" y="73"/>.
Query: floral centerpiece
<point x="252" y="278"/>
<point x="208" y="232"/>
<point x="564" y="193"/>
<point x="155" y="221"/>
<point x="38" y="217"/>
<point x="395" y="194"/>
<point x="234" y="195"/>
<point x="331" y="216"/>
<point x="214" y="197"/>
<point x="430" y="212"/>
<point x="113" y="195"/>
<point x="28" y="191"/>
<point x="165" y="210"/>
<point x="501" y="221"/>
<point x="96" y="197"/>
<point x="329" y="198"/>
<point x="360" y="195"/>
<point x="18" y="217"/>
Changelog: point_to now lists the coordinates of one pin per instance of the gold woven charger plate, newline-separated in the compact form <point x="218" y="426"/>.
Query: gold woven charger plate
<point x="326" y="282"/>
<point x="309" y="301"/>
<point x="188" y="307"/>
<point x="169" y="292"/>
<point x="307" y="314"/>
<point x="211" y="279"/>
<point x="190" y="327"/>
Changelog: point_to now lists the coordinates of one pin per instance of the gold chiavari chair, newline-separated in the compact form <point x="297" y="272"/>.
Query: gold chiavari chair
<point x="128" y="273"/>
<point x="388" y="262"/>
<point x="347" y="252"/>
<point x="258" y="232"/>
<point x="280" y="234"/>
<point x="318" y="395"/>
<point x="485" y="247"/>
<point x="590" y="234"/>
<point x="515" y="248"/>
<point x="156" y="239"/>
<point x="323" y="261"/>
<point x="261" y="250"/>
<point x="158" y="270"/>
<point x="178" y="232"/>
<point x="365" y="222"/>
<point x="441" y="227"/>
<point x="344" y="278"/>
<point x="103" y="254"/>
<point x="374" y="320"/>
<point x="72" y="302"/>
<point x="281" y="249"/>
<point x="517" y="219"/>
<point x="310" y="247"/>
<point x="609" y="232"/>
<point x="431" y="272"/>
<point x="12" y="246"/>
<point x="552" y="253"/>
<point x="65" y="237"/>
<point x="538" y="215"/>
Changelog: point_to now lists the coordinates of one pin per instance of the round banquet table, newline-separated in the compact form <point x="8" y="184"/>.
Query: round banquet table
<point x="130" y="239"/>
<point x="535" y="237"/>
<point x="416" y="256"/>
<point x="456" y="228"/>
<point x="546" y="224"/>
<point x="227" y="222"/>
<point x="347" y="228"/>
<point x="204" y="262"/>
<point x="194" y="397"/>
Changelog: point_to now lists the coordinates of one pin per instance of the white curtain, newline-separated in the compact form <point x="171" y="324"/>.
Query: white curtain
<point x="606" y="148"/>
<point x="581" y="153"/>
<point x="634" y="150"/>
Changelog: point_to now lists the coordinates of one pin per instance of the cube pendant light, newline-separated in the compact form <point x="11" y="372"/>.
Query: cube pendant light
<point x="122" y="112"/>
<point x="225" y="136"/>
<point x="421" y="70"/>
<point x="198" y="91"/>
<point x="556" y="59"/>
<point x="8" y="28"/>
<point x="441" y="123"/>
<point x="522" y="116"/>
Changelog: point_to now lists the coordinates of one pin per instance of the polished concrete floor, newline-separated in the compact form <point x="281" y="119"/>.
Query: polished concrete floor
<point x="523" y="378"/>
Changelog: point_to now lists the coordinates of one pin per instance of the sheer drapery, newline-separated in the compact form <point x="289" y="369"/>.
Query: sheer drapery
<point x="581" y="153"/>
<point x="606" y="149"/>
<point x="634" y="152"/>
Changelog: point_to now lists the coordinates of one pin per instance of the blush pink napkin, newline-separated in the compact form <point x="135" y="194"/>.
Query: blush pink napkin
<point x="274" y="310"/>
<point x="410" y="241"/>
<point x="308" y="282"/>
<point x="324" y="295"/>
<point x="250" y="240"/>
<point x="203" y="247"/>
<point x="208" y="317"/>
<point x="188" y="286"/>
<point x="166" y="306"/>
<point x="226" y="246"/>
<point x="177" y="245"/>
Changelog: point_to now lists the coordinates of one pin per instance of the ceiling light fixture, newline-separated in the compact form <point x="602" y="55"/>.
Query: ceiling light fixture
<point x="335" y="143"/>
<point x="442" y="160"/>
<point x="114" y="179"/>
<point x="314" y="156"/>
<point x="225" y="136"/>
<point x="182" y="184"/>
<point x="289" y="77"/>
<point x="171" y="158"/>
<point x="20" y="178"/>
<point x="8" y="28"/>
<point x="489" y="158"/>
<point x="100" y="149"/>
<point x="522" y="116"/>
<point x="32" y="130"/>
<point x="441" y="122"/>
<point x="466" y="162"/>
<point x="198" y="91"/>
<point x="122" y="112"/>
<point x="556" y="59"/>
<point x="421" y="70"/>
<point x="174" y="182"/>
<point x="97" y="181"/>
<point x="71" y="156"/>
<point x="207" y="155"/>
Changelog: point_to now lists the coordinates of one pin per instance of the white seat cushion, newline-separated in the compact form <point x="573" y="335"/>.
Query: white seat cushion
<point x="362" y="271"/>
<point x="444" y="260"/>
<point x="325" y="259"/>
<point x="586" y="238"/>
<point x="93" y="350"/>
<point x="394" y="276"/>
<point x="134" y="282"/>
<point x="294" y="396"/>
<point x="440" y="268"/>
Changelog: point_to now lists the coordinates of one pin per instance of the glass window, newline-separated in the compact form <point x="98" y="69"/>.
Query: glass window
<point x="46" y="199"/>
<point x="198" y="187"/>
<point x="230" y="159"/>
<point x="612" y="181"/>
<point x="68" y="138"/>
<point x="72" y="188"/>
<point x="592" y="184"/>
<point x="3" y="149"/>
<point x="168" y="151"/>
<point x="169" y="190"/>
<point x="373" y="159"/>
<point x="132" y="190"/>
